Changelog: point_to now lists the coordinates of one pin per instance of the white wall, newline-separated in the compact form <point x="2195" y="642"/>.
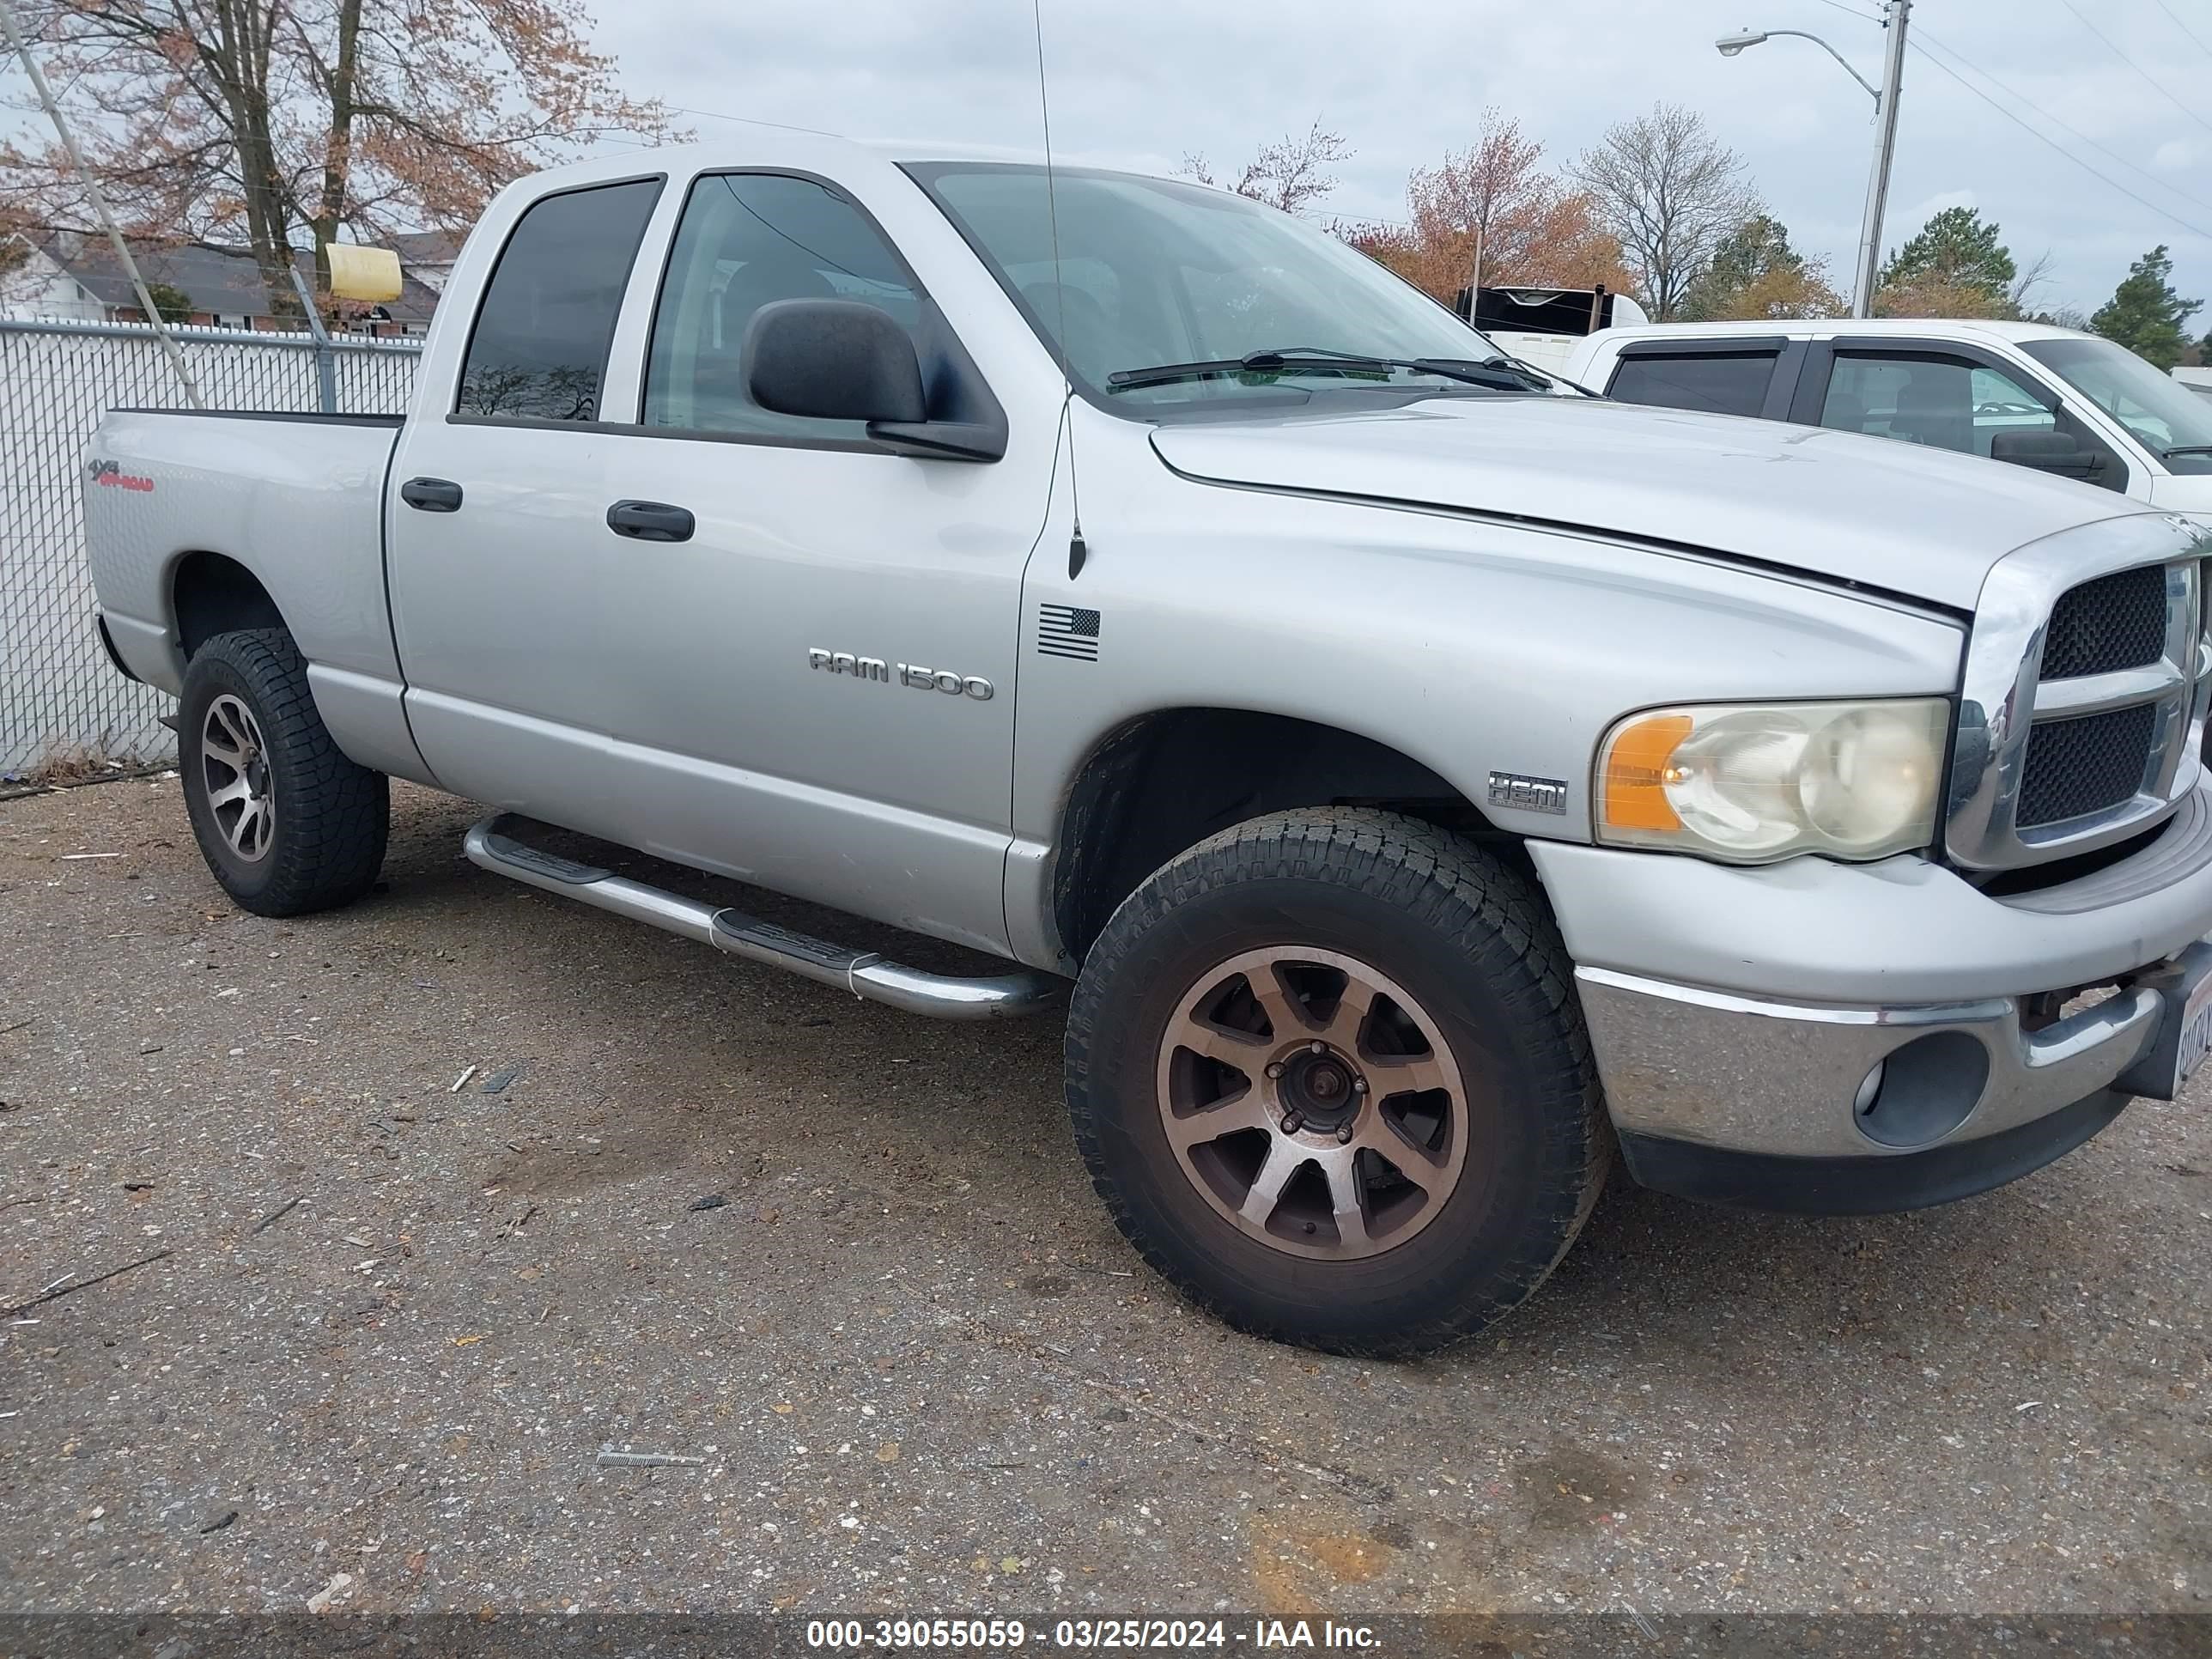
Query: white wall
<point x="39" y="290"/>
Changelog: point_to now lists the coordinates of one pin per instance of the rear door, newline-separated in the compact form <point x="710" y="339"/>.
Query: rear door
<point x="502" y="576"/>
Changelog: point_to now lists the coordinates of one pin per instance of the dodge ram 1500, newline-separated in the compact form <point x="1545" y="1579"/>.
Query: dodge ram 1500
<point x="1433" y="780"/>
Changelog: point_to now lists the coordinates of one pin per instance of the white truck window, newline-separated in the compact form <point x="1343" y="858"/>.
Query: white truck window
<point x="1732" y="383"/>
<point x="539" y="349"/>
<point x="2159" y="413"/>
<point x="1941" y="402"/>
<point x="746" y="241"/>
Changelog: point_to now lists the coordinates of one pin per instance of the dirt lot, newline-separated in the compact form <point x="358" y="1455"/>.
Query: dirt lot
<point x="919" y="1369"/>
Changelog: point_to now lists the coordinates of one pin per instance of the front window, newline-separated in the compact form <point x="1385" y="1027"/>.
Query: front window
<point x="1121" y="274"/>
<point x="2161" y="414"/>
<point x="746" y="241"/>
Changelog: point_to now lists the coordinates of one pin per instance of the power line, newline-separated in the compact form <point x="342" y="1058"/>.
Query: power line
<point x="1850" y="11"/>
<point x="748" y="121"/>
<point x="2041" y="137"/>
<point x="2141" y="73"/>
<point x="2015" y="94"/>
<point x="2185" y="27"/>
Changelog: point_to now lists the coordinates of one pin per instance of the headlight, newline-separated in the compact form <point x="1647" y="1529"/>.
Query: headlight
<point x="1753" y="783"/>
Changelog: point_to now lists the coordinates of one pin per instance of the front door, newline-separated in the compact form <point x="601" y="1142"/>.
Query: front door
<point x="828" y="707"/>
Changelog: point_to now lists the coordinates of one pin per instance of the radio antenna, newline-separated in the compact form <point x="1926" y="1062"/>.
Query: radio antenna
<point x="1076" y="552"/>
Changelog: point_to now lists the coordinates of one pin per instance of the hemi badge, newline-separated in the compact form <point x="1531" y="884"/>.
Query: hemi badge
<point x="1528" y="794"/>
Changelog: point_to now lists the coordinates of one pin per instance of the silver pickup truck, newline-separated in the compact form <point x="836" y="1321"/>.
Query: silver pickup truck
<point x="1432" y="778"/>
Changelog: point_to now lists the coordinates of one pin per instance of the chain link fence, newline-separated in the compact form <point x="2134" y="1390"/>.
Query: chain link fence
<point x="63" y="707"/>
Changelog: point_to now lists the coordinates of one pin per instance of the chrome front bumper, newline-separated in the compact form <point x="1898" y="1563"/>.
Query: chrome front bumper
<point x="1738" y="1015"/>
<point x="1785" y="1079"/>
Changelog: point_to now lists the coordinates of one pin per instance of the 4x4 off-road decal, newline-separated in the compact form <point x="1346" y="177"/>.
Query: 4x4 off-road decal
<point x="112" y="475"/>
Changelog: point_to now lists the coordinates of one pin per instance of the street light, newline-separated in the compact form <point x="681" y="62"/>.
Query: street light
<point x="1731" y="44"/>
<point x="1885" y="107"/>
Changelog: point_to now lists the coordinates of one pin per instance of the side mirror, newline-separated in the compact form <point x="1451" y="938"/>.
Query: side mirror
<point x="2045" y="452"/>
<point x="832" y="360"/>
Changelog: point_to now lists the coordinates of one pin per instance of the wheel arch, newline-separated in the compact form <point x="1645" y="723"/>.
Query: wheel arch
<point x="1164" y="780"/>
<point x="212" y="594"/>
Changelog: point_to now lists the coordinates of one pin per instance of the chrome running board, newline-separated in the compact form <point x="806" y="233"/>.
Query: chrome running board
<point x="492" y="843"/>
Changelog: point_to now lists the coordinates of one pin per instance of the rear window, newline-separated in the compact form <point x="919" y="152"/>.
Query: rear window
<point x="539" y="351"/>
<point x="1733" y="384"/>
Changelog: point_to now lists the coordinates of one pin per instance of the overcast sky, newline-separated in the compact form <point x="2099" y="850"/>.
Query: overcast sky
<point x="1139" y="83"/>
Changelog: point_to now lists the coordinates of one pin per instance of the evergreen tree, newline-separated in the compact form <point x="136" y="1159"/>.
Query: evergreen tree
<point x="1958" y="256"/>
<point x="1755" y="274"/>
<point x="2145" y="314"/>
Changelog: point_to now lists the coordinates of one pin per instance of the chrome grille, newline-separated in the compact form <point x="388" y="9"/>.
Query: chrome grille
<point x="2082" y="766"/>
<point x="2082" y="716"/>
<point x="2116" y="621"/>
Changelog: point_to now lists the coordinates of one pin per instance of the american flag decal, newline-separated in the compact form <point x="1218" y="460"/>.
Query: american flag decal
<point x="1067" y="630"/>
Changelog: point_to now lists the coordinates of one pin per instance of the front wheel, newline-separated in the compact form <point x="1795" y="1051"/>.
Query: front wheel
<point x="1329" y="1074"/>
<point x="286" y="822"/>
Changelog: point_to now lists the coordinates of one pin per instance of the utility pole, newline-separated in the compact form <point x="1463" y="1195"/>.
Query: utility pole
<point x="1884" y="146"/>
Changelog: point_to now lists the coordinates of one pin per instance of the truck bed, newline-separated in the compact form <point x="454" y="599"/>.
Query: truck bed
<point x="297" y="498"/>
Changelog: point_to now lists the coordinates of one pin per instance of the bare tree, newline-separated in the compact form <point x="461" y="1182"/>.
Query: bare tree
<point x="2020" y="297"/>
<point x="1670" y="192"/>
<point x="1291" y="174"/>
<point x="272" y="121"/>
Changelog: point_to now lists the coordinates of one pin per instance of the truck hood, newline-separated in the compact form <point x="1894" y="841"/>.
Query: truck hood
<point x="1875" y="512"/>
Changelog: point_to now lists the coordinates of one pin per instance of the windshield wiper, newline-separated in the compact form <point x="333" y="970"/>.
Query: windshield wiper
<point x="2187" y="449"/>
<point x="1544" y="377"/>
<point x="1307" y="358"/>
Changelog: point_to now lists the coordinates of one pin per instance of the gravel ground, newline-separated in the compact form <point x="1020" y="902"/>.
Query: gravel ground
<point x="918" y="1369"/>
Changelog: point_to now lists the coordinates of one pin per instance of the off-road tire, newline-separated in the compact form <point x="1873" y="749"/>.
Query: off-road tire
<point x="1474" y="944"/>
<point x="329" y="817"/>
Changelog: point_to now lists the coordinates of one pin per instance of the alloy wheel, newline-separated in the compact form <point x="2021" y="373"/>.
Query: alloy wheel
<point x="1312" y="1102"/>
<point x="234" y="767"/>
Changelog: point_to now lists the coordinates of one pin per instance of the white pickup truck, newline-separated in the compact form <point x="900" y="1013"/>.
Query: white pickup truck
<point x="2054" y="399"/>
<point x="1431" y="780"/>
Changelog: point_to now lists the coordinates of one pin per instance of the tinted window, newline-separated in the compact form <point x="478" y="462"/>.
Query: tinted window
<point x="539" y="351"/>
<point x="1945" y="404"/>
<point x="746" y="241"/>
<point x="1731" y="385"/>
<point x="1948" y="404"/>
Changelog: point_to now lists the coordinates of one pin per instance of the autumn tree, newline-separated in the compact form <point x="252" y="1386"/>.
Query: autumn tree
<point x="1495" y="196"/>
<point x="2145" y="314"/>
<point x="1955" y="265"/>
<point x="279" y="122"/>
<point x="1292" y="173"/>
<point x="1755" y="276"/>
<point x="1670" y="193"/>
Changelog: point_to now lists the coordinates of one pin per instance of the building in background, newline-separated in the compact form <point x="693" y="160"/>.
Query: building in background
<point x="426" y="256"/>
<point x="70" y="277"/>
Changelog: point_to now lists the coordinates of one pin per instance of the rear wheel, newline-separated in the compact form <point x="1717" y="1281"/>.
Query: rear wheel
<point x="287" y="823"/>
<point x="1329" y="1074"/>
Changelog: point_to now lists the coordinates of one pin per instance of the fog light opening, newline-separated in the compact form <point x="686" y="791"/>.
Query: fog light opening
<point x="1923" y="1091"/>
<point x="1869" y="1090"/>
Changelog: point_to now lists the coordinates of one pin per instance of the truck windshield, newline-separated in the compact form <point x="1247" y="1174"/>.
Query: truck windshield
<point x="2165" y="417"/>
<point x="1156" y="293"/>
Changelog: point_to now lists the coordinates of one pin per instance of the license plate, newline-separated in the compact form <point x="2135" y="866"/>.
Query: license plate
<point x="2196" y="1034"/>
